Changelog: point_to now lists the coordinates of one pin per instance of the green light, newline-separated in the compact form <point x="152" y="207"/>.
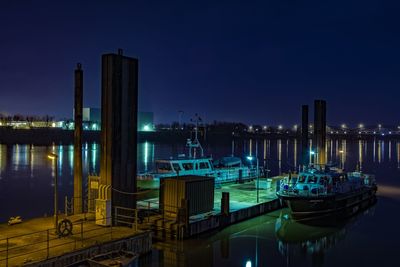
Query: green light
<point x="312" y="152"/>
<point x="147" y="128"/>
<point x="249" y="158"/>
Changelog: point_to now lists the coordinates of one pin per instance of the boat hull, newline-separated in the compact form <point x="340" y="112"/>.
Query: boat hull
<point x="338" y="205"/>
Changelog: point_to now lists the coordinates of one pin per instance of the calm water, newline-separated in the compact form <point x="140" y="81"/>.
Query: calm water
<point x="370" y="239"/>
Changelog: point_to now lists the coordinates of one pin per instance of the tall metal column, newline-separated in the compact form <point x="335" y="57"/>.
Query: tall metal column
<point x="304" y="136"/>
<point x="78" y="109"/>
<point x="320" y="130"/>
<point x="119" y="127"/>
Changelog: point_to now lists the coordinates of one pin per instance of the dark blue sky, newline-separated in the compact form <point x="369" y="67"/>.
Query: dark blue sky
<point x="249" y="61"/>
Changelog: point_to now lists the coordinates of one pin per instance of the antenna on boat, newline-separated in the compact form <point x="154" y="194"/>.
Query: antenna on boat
<point x="195" y="143"/>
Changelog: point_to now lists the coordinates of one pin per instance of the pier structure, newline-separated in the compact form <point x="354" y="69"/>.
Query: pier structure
<point x="78" y="109"/>
<point x="119" y="98"/>
<point x="304" y="136"/>
<point x="320" y="131"/>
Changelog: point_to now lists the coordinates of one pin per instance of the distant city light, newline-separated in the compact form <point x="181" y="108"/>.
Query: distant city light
<point x="147" y="128"/>
<point x="310" y="125"/>
<point x="341" y="151"/>
<point x="250" y="158"/>
<point x="295" y="126"/>
<point x="280" y="127"/>
<point x="379" y="125"/>
<point x="343" y="126"/>
<point x="265" y="127"/>
<point x="361" y="125"/>
<point x="1" y="124"/>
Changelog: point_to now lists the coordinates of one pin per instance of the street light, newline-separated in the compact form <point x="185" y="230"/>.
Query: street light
<point x="54" y="158"/>
<point x="250" y="158"/>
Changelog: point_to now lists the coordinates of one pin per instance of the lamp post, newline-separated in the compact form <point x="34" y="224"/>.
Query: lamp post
<point x="250" y="158"/>
<point x="54" y="158"/>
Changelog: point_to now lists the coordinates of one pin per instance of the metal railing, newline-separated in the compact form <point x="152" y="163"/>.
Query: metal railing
<point x="41" y="245"/>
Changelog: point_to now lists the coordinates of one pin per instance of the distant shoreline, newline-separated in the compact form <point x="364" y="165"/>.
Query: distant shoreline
<point x="48" y="136"/>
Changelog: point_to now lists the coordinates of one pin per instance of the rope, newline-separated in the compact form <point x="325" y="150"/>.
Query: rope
<point x="130" y="193"/>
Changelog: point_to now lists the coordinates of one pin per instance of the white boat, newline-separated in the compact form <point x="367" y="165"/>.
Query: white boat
<point x="225" y="170"/>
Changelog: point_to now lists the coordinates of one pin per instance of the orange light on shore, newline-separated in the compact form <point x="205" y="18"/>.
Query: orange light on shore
<point x="52" y="156"/>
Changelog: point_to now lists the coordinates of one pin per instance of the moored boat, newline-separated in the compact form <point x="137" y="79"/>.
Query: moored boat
<point x="225" y="170"/>
<point x="320" y="192"/>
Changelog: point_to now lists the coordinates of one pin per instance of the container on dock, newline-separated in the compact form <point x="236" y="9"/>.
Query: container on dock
<point x="198" y="191"/>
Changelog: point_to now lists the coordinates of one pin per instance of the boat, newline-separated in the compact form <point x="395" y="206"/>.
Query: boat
<point x="318" y="192"/>
<point x="225" y="170"/>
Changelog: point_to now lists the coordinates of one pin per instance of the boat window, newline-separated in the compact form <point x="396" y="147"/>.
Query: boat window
<point x="302" y="179"/>
<point x="164" y="166"/>
<point x="323" y="180"/>
<point x="187" y="166"/>
<point x="312" y="179"/>
<point x="176" y="167"/>
<point x="204" y="165"/>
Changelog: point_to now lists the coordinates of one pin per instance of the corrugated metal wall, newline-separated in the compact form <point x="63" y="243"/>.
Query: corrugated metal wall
<point x="198" y="190"/>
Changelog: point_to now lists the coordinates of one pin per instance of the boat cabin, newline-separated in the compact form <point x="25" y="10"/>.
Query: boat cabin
<point x="198" y="166"/>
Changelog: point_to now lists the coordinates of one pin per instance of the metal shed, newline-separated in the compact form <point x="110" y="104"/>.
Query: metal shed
<point x="198" y="191"/>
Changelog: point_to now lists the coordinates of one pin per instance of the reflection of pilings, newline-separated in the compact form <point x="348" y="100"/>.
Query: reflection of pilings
<point x="320" y="130"/>
<point x="304" y="135"/>
<point x="78" y="106"/>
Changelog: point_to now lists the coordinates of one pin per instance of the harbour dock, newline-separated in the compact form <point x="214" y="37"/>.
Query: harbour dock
<point x="35" y="243"/>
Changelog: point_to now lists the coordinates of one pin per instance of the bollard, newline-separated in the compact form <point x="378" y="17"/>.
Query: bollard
<point x="66" y="205"/>
<point x="82" y="234"/>
<point x="48" y="243"/>
<point x="136" y="219"/>
<point x="7" y="252"/>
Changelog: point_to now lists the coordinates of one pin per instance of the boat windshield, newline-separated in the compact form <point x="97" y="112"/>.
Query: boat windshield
<point x="323" y="180"/>
<point x="302" y="179"/>
<point x="164" y="166"/>
<point x="312" y="179"/>
<point x="187" y="166"/>
<point x="204" y="165"/>
<point x="176" y="167"/>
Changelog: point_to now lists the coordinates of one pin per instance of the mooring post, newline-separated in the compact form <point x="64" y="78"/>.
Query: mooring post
<point x="7" y="252"/>
<point x="82" y="234"/>
<point x="66" y="205"/>
<point x="48" y="243"/>
<point x="136" y="219"/>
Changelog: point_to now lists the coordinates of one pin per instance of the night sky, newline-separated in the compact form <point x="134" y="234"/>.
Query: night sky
<point x="252" y="62"/>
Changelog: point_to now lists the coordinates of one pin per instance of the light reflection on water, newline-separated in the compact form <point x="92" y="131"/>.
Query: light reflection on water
<point x="26" y="176"/>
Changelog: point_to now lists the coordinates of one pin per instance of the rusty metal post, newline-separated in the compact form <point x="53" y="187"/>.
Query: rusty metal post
<point x="48" y="244"/>
<point x="82" y="234"/>
<point x="66" y="205"/>
<point x="78" y="109"/>
<point x="7" y="252"/>
<point x="136" y="220"/>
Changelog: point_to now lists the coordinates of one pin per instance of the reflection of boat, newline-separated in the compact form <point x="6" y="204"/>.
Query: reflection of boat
<point x="226" y="169"/>
<point x="317" y="193"/>
<point x="297" y="238"/>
